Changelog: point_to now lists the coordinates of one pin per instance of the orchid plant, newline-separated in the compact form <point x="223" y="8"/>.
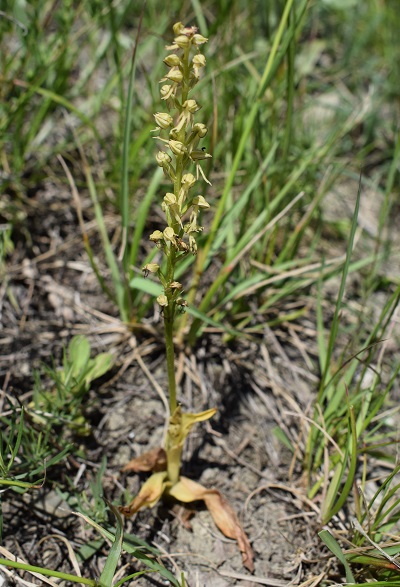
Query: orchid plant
<point x="180" y="152"/>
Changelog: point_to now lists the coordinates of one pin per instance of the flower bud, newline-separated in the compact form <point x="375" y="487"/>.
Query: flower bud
<point x="172" y="60"/>
<point x="199" y="60"/>
<point x="162" y="300"/>
<point x="177" y="147"/>
<point x="175" y="75"/>
<point x="175" y="285"/>
<point x="170" y="199"/>
<point x="163" y="119"/>
<point x="188" y="180"/>
<point x="191" y="106"/>
<point x="178" y="28"/>
<point x="163" y="158"/>
<point x="182" y="41"/>
<point x="200" y="129"/>
<point x="198" y="39"/>
<point x="169" y="234"/>
<point x="200" y="202"/>
<point x="166" y="91"/>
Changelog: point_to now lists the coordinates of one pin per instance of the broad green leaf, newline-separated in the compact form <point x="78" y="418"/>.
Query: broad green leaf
<point x="78" y="353"/>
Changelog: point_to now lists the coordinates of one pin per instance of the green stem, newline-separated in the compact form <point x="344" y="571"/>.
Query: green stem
<point x="169" y="315"/>
<point x="170" y="352"/>
<point x="174" y="458"/>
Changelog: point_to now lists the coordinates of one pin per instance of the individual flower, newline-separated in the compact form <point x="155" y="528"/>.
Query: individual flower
<point x="199" y="40"/>
<point x="162" y="158"/>
<point x="199" y="60"/>
<point x="171" y="208"/>
<point x="177" y="147"/>
<point x="175" y="285"/>
<point x="167" y="91"/>
<point x="196" y="156"/>
<point x="188" y="181"/>
<point x="169" y="235"/>
<point x="178" y="28"/>
<point x="189" y="107"/>
<point x="156" y="236"/>
<point x="163" y="120"/>
<point x="172" y="60"/>
<point x="162" y="300"/>
<point x="175" y="75"/>
<point x="182" y="41"/>
<point x="150" y="268"/>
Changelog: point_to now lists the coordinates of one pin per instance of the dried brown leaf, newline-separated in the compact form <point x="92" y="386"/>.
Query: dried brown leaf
<point x="154" y="460"/>
<point x="223" y="515"/>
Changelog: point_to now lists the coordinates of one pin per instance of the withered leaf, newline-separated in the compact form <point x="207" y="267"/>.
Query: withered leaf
<point x="223" y="515"/>
<point x="149" y="494"/>
<point x="154" y="460"/>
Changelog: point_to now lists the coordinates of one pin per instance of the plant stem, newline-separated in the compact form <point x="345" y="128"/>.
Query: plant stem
<point x="174" y="458"/>
<point x="170" y="352"/>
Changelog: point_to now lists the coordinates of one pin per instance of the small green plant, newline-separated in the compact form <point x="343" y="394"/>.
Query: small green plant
<point x="63" y="403"/>
<point x="182" y="208"/>
<point x="11" y="442"/>
<point x="118" y="544"/>
<point x="25" y="453"/>
<point x="372" y="558"/>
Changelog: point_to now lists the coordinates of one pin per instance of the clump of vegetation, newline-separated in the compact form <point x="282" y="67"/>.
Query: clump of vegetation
<point x="61" y="407"/>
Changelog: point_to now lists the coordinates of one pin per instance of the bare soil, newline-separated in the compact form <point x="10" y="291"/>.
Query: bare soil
<point x="49" y="294"/>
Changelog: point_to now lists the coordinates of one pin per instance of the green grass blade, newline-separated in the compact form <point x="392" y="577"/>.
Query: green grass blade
<point x="334" y="547"/>
<point x="57" y="99"/>
<point x="352" y="449"/>
<point x="124" y="198"/>
<point x="151" y="563"/>
<point x="119" y="285"/>
<point x="335" y="320"/>
<point x="153" y="289"/>
<point x="274" y="59"/>
<point x="200" y="17"/>
<point x="322" y="350"/>
<point x="129" y="577"/>
<point x="107" y="575"/>
<point x="142" y="215"/>
<point x="47" y="572"/>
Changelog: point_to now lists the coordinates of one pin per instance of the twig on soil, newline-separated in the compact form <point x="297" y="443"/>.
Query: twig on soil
<point x="221" y="442"/>
<point x="259" y="580"/>
<point x="285" y="488"/>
